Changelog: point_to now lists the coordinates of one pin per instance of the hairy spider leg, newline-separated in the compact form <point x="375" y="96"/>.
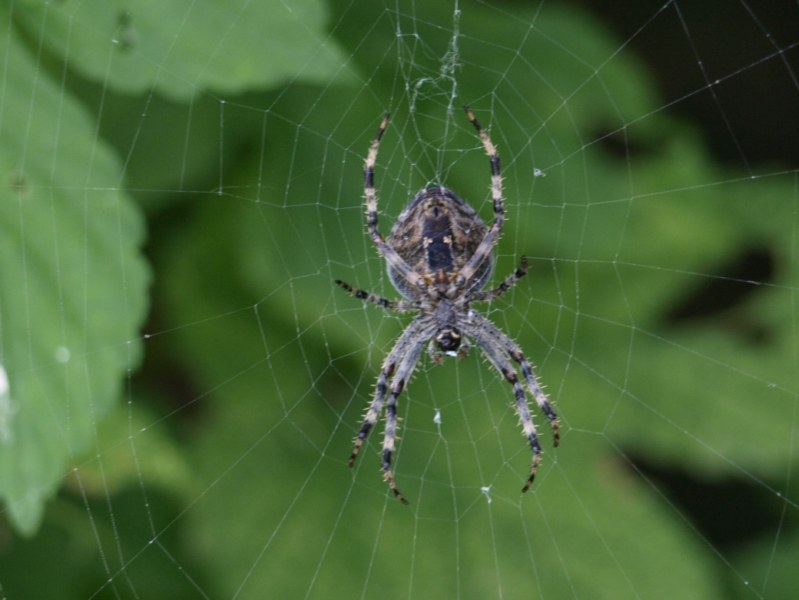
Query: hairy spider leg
<point x="395" y="260"/>
<point x="483" y="251"/>
<point x="510" y="281"/>
<point x="398" y="366"/>
<point x="504" y="366"/>
<point x="538" y="393"/>
<point x="366" y="296"/>
<point x="513" y="350"/>
<point x="493" y="343"/>
<point x="401" y="377"/>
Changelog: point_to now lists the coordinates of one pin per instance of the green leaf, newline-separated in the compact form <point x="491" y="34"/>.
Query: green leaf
<point x="131" y="45"/>
<point x="73" y="282"/>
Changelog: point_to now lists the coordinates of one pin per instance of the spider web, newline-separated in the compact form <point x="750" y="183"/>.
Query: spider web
<point x="177" y="407"/>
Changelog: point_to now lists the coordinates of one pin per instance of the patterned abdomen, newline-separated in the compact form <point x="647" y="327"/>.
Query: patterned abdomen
<point x="437" y="234"/>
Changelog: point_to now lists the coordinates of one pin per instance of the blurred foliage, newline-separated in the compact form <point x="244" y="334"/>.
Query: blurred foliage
<point x="239" y="134"/>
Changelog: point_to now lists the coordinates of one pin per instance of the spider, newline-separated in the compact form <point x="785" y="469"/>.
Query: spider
<point x="439" y="257"/>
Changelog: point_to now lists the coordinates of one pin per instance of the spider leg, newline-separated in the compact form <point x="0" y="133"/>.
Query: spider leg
<point x="391" y="255"/>
<point x="513" y="350"/>
<point x="395" y="305"/>
<point x="538" y="393"/>
<point x="504" y="366"/>
<point x="498" y="348"/>
<point x="398" y="365"/>
<point x="510" y="281"/>
<point x="483" y="251"/>
<point x="403" y="374"/>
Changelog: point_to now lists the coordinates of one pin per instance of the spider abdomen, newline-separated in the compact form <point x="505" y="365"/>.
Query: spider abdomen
<point x="436" y="235"/>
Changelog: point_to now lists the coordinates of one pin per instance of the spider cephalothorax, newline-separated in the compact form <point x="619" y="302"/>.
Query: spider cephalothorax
<point x="439" y="258"/>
